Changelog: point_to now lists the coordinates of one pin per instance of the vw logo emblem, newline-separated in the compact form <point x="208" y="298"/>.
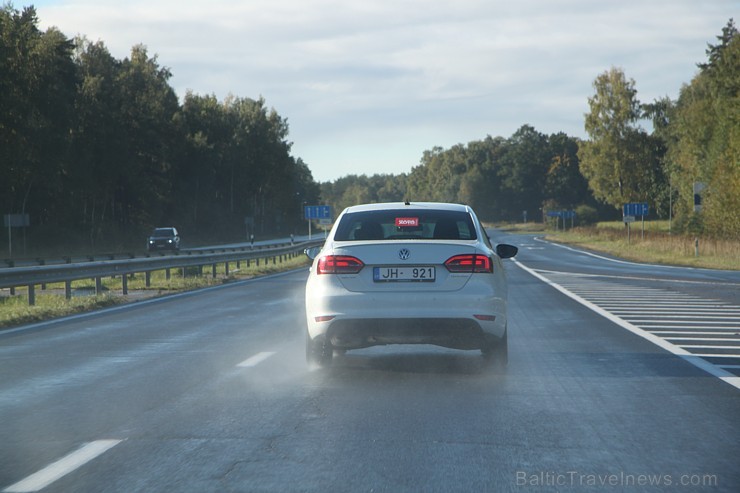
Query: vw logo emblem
<point x="404" y="253"/>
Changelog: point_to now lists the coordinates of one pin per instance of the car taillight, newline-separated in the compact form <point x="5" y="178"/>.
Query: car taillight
<point x="469" y="263"/>
<point x="339" y="264"/>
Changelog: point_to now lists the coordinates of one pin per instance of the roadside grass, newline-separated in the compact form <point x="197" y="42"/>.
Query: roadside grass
<point x="51" y="302"/>
<point x="657" y="246"/>
<point x="15" y="310"/>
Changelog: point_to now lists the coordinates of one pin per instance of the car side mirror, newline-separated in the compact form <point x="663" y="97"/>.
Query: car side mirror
<point x="506" y="251"/>
<point x="312" y="252"/>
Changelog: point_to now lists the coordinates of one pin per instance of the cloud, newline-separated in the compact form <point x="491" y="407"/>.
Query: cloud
<point x="368" y="86"/>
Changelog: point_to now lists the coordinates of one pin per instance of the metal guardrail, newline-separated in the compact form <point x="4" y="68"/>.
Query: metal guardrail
<point x="100" y="257"/>
<point x="43" y="274"/>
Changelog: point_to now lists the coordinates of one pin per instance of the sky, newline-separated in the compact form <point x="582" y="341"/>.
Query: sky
<point x="367" y="86"/>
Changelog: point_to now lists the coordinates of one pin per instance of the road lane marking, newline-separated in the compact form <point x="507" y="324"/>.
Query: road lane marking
<point x="256" y="359"/>
<point x="700" y="328"/>
<point x="662" y="320"/>
<point x="717" y="355"/>
<point x="695" y="359"/>
<point x="729" y="313"/>
<point x="661" y="303"/>
<point x="712" y="331"/>
<point x="706" y="346"/>
<point x="641" y="278"/>
<point x="62" y="467"/>
<point x="701" y="339"/>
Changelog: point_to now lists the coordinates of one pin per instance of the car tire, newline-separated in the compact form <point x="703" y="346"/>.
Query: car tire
<point x="497" y="352"/>
<point x="319" y="352"/>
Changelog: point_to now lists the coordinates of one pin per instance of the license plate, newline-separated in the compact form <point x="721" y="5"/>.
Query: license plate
<point x="406" y="273"/>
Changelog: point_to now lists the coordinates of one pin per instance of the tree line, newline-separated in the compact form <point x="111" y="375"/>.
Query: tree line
<point x="513" y="179"/>
<point x="99" y="148"/>
<point x="694" y="140"/>
<point x="688" y="167"/>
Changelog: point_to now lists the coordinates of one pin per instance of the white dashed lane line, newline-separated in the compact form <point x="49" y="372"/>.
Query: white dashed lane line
<point x="62" y="467"/>
<point x="256" y="359"/>
<point x="687" y="325"/>
<point x="88" y="452"/>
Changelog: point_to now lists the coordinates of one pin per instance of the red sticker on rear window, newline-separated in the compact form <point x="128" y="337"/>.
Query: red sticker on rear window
<point x="405" y="222"/>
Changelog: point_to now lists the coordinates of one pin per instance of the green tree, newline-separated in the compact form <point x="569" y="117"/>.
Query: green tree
<point x="392" y="188"/>
<point x="704" y="140"/>
<point x="98" y="154"/>
<point x="500" y="177"/>
<point x="438" y="176"/>
<point x="481" y="186"/>
<point x="523" y="169"/>
<point x="91" y="144"/>
<point x="148" y="105"/>
<point x="608" y="160"/>
<point x="236" y="164"/>
<point x="203" y="126"/>
<point x="37" y="88"/>
<point x="565" y="186"/>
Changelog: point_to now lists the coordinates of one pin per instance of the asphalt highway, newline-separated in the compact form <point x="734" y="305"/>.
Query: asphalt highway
<point x="621" y="377"/>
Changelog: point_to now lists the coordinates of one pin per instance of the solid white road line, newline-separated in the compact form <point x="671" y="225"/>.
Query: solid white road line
<point x="700" y="328"/>
<point x="694" y="359"/>
<point x="62" y="467"/>
<point x="687" y="320"/>
<point x="256" y="359"/>
<point x="699" y="335"/>
<point x="692" y="327"/>
<point x="690" y="310"/>
<point x="707" y="346"/>
<point x="723" y="339"/>
<point x="714" y="355"/>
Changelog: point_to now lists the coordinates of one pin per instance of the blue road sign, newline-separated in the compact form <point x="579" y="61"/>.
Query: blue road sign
<point x="317" y="212"/>
<point x="563" y="214"/>
<point x="636" y="209"/>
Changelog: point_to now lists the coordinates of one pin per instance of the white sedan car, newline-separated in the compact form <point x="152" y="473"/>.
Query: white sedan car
<point x="407" y="273"/>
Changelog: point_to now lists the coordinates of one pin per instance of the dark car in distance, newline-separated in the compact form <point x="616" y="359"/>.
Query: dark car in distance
<point x="163" y="239"/>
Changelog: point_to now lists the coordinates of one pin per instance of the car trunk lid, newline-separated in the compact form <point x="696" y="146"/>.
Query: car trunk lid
<point x="404" y="266"/>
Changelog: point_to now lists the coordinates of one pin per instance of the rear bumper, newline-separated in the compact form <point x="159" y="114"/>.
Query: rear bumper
<point x="353" y="320"/>
<point x="462" y="319"/>
<point x="457" y="333"/>
<point x="162" y="246"/>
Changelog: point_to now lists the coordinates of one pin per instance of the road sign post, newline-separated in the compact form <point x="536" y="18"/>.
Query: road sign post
<point x="633" y="210"/>
<point x="15" y="221"/>
<point x="567" y="214"/>
<point x="317" y="212"/>
<point x="628" y="220"/>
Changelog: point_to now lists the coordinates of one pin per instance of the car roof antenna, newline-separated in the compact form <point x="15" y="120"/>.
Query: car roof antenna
<point x="406" y="202"/>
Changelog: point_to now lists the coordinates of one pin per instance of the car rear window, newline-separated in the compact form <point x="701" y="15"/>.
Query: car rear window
<point x="406" y="224"/>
